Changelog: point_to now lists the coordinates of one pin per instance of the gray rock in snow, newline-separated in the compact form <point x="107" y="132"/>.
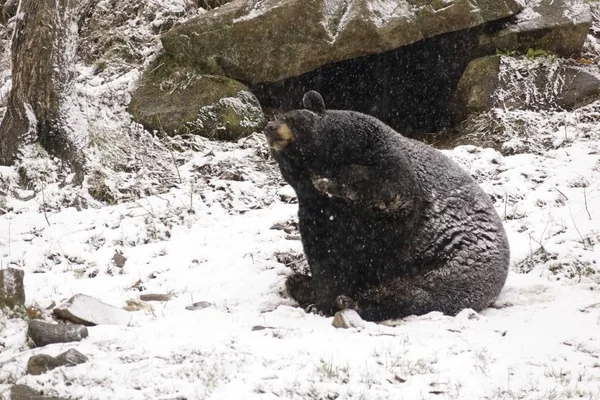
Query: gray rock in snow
<point x="41" y="363"/>
<point x="43" y="333"/>
<point x="24" y="392"/>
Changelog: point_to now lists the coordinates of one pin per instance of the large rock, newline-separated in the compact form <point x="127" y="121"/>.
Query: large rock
<point x="87" y="310"/>
<point x="178" y="100"/>
<point x="540" y="83"/>
<point x="559" y="26"/>
<point x="12" y="291"/>
<point x="257" y="41"/>
<point x="23" y="392"/>
<point x="41" y="363"/>
<point x="43" y="333"/>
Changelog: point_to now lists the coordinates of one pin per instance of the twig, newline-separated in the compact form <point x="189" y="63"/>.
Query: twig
<point x="563" y="195"/>
<point x="585" y="204"/>
<point x="191" y="195"/>
<point x="44" y="207"/>
<point x="168" y="146"/>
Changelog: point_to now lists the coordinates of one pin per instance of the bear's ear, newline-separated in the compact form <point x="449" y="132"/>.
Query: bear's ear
<point x="313" y="101"/>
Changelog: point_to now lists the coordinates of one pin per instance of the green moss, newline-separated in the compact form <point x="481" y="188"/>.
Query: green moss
<point x="178" y="99"/>
<point x="535" y="53"/>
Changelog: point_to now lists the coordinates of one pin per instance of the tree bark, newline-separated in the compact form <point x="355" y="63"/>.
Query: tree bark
<point x="43" y="59"/>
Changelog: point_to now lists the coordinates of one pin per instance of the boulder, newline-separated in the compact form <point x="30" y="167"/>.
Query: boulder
<point x="87" y="310"/>
<point x="558" y="26"/>
<point x="23" y="392"/>
<point x="179" y="100"/>
<point x="41" y="363"/>
<point x="43" y="333"/>
<point x="12" y="291"/>
<point x="532" y="83"/>
<point x="256" y="41"/>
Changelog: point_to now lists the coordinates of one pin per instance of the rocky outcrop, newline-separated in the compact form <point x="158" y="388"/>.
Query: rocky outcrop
<point x="557" y="26"/>
<point x="178" y="100"/>
<point x="265" y="41"/>
<point x="533" y="83"/>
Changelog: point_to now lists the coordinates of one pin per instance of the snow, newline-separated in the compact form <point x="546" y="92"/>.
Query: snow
<point x="540" y="340"/>
<point x="206" y="236"/>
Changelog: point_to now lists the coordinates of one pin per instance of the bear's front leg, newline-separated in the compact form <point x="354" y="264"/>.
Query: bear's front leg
<point x="362" y="184"/>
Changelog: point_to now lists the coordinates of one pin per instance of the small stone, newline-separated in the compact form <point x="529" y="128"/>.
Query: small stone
<point x="347" y="318"/>
<point x="12" y="290"/>
<point x="87" y="310"/>
<point x="42" y="363"/>
<point x="200" y="305"/>
<point x="138" y="305"/>
<point x="258" y="328"/>
<point x="119" y="259"/>
<point x="155" y="297"/>
<point x="43" y="333"/>
<point x="24" y="392"/>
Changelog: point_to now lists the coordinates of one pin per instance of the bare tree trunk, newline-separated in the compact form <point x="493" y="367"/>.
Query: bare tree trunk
<point x="43" y="57"/>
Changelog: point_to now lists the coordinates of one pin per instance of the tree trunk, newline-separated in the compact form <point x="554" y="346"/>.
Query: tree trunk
<point x="43" y="59"/>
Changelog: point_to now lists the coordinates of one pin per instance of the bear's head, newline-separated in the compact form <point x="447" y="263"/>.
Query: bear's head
<point x="296" y="132"/>
<point x="313" y="139"/>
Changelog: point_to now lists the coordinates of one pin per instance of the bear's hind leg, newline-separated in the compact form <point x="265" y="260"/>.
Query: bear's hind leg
<point x="299" y="287"/>
<point x="448" y="289"/>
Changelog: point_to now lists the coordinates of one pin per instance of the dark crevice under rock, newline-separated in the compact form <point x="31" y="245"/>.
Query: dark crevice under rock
<point x="409" y="88"/>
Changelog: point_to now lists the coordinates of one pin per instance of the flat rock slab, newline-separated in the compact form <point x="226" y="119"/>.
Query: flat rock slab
<point x="43" y="333"/>
<point x="87" y="310"/>
<point x="41" y="363"/>
<point x="258" y="41"/>
<point x="12" y="290"/>
<point x="23" y="392"/>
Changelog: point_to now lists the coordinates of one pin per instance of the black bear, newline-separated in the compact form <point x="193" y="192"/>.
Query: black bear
<point x="389" y="225"/>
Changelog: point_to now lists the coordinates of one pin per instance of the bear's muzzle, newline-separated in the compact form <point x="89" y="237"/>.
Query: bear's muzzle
<point x="278" y="135"/>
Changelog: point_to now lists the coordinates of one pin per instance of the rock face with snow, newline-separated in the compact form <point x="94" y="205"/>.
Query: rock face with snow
<point x="12" y="291"/>
<point x="558" y="26"/>
<point x="178" y="101"/>
<point x="532" y="83"/>
<point x="265" y="41"/>
<point x="87" y="310"/>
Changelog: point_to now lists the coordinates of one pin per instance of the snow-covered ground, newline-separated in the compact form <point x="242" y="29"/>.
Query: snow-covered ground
<point x="210" y="238"/>
<point x="212" y="241"/>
